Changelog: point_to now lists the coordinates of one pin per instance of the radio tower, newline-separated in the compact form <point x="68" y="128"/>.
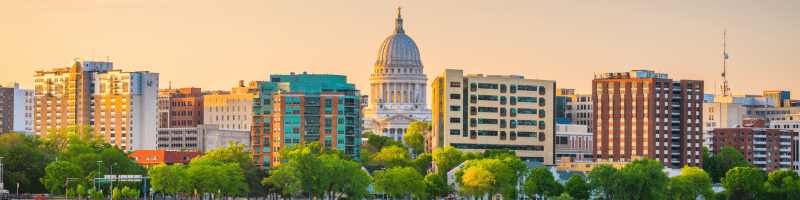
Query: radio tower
<point x="725" y="89"/>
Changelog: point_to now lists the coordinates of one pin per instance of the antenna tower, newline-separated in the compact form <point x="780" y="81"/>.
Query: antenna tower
<point x="725" y="89"/>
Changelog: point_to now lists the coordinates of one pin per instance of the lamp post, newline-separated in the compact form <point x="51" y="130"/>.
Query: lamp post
<point x="98" y="173"/>
<point x="2" y="182"/>
<point x="112" y="176"/>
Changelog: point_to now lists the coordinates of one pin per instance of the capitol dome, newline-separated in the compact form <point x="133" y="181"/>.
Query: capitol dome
<point x="398" y="49"/>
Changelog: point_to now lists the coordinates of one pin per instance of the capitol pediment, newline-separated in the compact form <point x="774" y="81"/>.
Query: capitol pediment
<point x="397" y="119"/>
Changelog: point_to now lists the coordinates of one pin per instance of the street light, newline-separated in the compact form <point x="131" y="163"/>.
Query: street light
<point x="2" y="183"/>
<point x="98" y="172"/>
<point x="112" y="176"/>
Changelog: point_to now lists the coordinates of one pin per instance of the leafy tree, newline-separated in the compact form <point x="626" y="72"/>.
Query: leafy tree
<point x="168" y="179"/>
<point x="718" y="165"/>
<point x="641" y="179"/>
<point x="61" y="138"/>
<point x="24" y="161"/>
<point x="491" y="176"/>
<point x="414" y="136"/>
<point x="602" y="180"/>
<point x="541" y="182"/>
<point x="782" y="185"/>
<point x="70" y="192"/>
<point x="436" y="187"/>
<point x="743" y="182"/>
<point x="96" y="195"/>
<point x="130" y="193"/>
<point x="344" y="176"/>
<point x="399" y="181"/>
<point x="446" y="159"/>
<point x="215" y="176"/>
<point x="564" y="196"/>
<point x="691" y="184"/>
<point x="379" y="142"/>
<point x="239" y="153"/>
<point x="423" y="163"/>
<point x="57" y="173"/>
<point x="116" y="193"/>
<point x="722" y="195"/>
<point x="80" y="191"/>
<point x="367" y="150"/>
<point x="577" y="188"/>
<point x="392" y="156"/>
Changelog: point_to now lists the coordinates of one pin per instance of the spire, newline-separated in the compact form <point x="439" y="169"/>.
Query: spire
<point x="399" y="23"/>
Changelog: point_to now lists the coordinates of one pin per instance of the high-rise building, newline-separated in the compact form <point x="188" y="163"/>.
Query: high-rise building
<point x="122" y="106"/>
<point x="647" y="114"/>
<point x="16" y="109"/>
<point x="398" y="87"/>
<point x="474" y="113"/>
<point x="180" y="108"/>
<point x="765" y="148"/>
<point x="778" y="96"/>
<point x="303" y="108"/>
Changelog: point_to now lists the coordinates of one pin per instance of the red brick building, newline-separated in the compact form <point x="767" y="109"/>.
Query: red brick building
<point x="768" y="149"/>
<point x="150" y="158"/>
<point x="647" y="114"/>
<point x="180" y="108"/>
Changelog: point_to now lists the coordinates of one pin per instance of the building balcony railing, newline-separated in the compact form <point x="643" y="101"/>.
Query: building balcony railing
<point x="312" y="103"/>
<point x="675" y="96"/>
<point x="760" y="142"/>
<point x="311" y="124"/>
<point x="311" y="114"/>
<point x="311" y="133"/>
<point x="760" y="155"/>
<point x="676" y="136"/>
<point x="759" y="149"/>
<point x="785" y="150"/>
<point x="676" y="153"/>
<point x="785" y="143"/>
<point x="675" y="144"/>
<point x="785" y="156"/>
<point x="675" y="161"/>
<point x="785" y="163"/>
<point x="760" y="162"/>
<point x="784" y="169"/>
<point x="759" y="136"/>
<point x="785" y="137"/>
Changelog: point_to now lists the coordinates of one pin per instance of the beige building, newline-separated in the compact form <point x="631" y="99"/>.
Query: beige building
<point x="574" y="141"/>
<point x="232" y="111"/>
<point x="579" y="109"/>
<point x="119" y="105"/>
<point x="202" y="138"/>
<point x="474" y="113"/>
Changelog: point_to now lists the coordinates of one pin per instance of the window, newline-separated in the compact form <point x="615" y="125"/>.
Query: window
<point x="487" y="133"/>
<point x="455" y="84"/>
<point x="526" y="122"/>
<point x="503" y="88"/>
<point x="487" y="109"/>
<point x="487" y="121"/>
<point x="455" y="120"/>
<point x="526" y="111"/>
<point x="487" y="86"/>
<point x="455" y="132"/>
<point x="541" y="90"/>
<point x="455" y="96"/>
<point x="513" y="89"/>
<point x="527" y="134"/>
<point x="527" y="87"/>
<point x="473" y="99"/>
<point x="455" y="108"/>
<point x="527" y="99"/>
<point x="487" y="97"/>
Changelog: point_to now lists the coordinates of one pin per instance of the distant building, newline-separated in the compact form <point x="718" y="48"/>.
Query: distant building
<point x="765" y="148"/>
<point x="769" y="114"/>
<point x="579" y="110"/>
<point x="229" y="111"/>
<point x="16" y="109"/>
<point x="791" y="122"/>
<point x="474" y="113"/>
<point x="574" y="141"/>
<point x="203" y="138"/>
<point x="647" y="114"/>
<point x="122" y="106"/>
<point x="151" y="158"/>
<point x="779" y="97"/>
<point x="180" y="108"/>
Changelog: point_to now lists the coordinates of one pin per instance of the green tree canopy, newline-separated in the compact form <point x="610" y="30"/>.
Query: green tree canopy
<point x="214" y="176"/>
<point x="718" y="165"/>
<point x="399" y="181"/>
<point x="743" y="182"/>
<point x="602" y="180"/>
<point x="436" y="187"/>
<point x="641" y="179"/>
<point x="540" y="181"/>
<point x="783" y="184"/>
<point x="57" y="174"/>
<point x="577" y="188"/>
<point x="415" y="136"/>
<point x="392" y="156"/>
<point x="446" y="159"/>
<point x="691" y="184"/>
<point x="24" y="161"/>
<point x="422" y="163"/>
<point x="168" y="179"/>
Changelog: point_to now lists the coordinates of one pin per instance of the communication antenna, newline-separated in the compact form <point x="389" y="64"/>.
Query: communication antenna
<point x="725" y="89"/>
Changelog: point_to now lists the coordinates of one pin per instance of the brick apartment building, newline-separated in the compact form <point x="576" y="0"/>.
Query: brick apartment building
<point x="765" y="148"/>
<point x="180" y="108"/>
<point x="643" y="113"/>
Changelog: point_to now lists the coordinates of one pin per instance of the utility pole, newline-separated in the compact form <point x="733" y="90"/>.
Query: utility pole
<point x="2" y="182"/>
<point x="98" y="173"/>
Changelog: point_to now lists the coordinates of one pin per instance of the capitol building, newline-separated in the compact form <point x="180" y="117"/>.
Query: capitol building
<point x="398" y="87"/>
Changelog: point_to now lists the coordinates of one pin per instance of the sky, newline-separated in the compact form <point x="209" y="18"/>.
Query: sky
<point x="213" y="44"/>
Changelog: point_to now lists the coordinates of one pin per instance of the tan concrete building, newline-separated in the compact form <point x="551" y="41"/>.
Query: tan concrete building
<point x="474" y="113"/>
<point x="231" y="111"/>
<point x="122" y="106"/>
<point x="647" y="114"/>
<point x="202" y="138"/>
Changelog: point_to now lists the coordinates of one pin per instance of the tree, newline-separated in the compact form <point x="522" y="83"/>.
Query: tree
<point x="718" y="165"/>
<point x="57" y="173"/>
<point x="168" y="179"/>
<point x="491" y="176"/>
<point x="423" y="163"/>
<point x="399" y="181"/>
<point x="130" y="193"/>
<point x="414" y="136"/>
<point x="392" y="156"/>
<point x="564" y="196"/>
<point x="379" y="142"/>
<point x="691" y="184"/>
<point x="116" y="193"/>
<point x="80" y="191"/>
<point x="215" y="176"/>
<point x="743" y="182"/>
<point x="577" y="188"/>
<point x="344" y="176"/>
<point x="641" y="179"/>
<point x="96" y="195"/>
<point x="602" y="180"/>
<point x="783" y="184"/>
<point x="436" y="187"/>
<point x="61" y="138"/>
<point x="541" y="182"/>
<point x="24" y="161"/>
<point x="239" y="153"/>
<point x="446" y="159"/>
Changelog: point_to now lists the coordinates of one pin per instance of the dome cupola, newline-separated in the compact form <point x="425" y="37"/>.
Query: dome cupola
<point x="398" y="49"/>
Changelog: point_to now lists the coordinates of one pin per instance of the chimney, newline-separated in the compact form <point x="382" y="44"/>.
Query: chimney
<point x="304" y="73"/>
<point x="241" y="83"/>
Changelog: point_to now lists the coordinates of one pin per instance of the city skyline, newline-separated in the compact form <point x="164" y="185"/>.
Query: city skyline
<point x="212" y="46"/>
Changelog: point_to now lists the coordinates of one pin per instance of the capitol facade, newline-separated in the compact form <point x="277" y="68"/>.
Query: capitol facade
<point x="398" y="87"/>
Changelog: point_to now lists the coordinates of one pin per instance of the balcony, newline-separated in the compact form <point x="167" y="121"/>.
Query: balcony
<point x="311" y="114"/>
<point x="785" y="163"/>
<point x="676" y="144"/>
<point x="760" y="162"/>
<point x="675" y="96"/>
<point x="759" y="136"/>
<point x="785" y="156"/>
<point x="759" y="149"/>
<point x="760" y="142"/>
<point x="676" y="128"/>
<point x="676" y="153"/>
<point x="760" y="156"/>
<point x="311" y="123"/>
<point x="676" y="105"/>
<point x="310" y="103"/>
<point x="785" y="137"/>
<point x="311" y="133"/>
<point x="785" y="150"/>
<point x="675" y="161"/>
<point x="785" y="143"/>
<point x="676" y="136"/>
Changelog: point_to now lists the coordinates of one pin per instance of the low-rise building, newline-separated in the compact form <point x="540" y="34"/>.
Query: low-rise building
<point x="792" y="122"/>
<point x="765" y="148"/>
<point x="202" y="138"/>
<point x="573" y="141"/>
<point x="151" y="158"/>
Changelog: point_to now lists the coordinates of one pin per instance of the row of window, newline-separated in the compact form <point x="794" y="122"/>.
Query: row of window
<point x="498" y="146"/>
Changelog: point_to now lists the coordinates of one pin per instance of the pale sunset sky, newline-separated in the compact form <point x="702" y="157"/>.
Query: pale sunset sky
<point x="213" y="44"/>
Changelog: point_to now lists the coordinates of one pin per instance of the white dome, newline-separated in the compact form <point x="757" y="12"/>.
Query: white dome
<point x="398" y="49"/>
